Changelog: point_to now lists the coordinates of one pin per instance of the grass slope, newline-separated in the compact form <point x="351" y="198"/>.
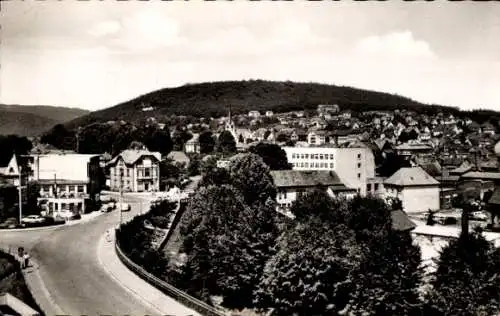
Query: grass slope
<point x="213" y="99"/>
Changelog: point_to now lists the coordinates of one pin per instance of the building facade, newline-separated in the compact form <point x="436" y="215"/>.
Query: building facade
<point x="135" y="171"/>
<point x="69" y="183"/>
<point x="354" y="166"/>
<point x="193" y="145"/>
<point x="292" y="184"/>
<point x="417" y="190"/>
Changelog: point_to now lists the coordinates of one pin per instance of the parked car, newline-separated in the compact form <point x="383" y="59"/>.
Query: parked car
<point x="108" y="207"/>
<point x="479" y="216"/>
<point x="66" y="214"/>
<point x="124" y="207"/>
<point x="106" y="198"/>
<point x="33" y="219"/>
<point x="9" y="223"/>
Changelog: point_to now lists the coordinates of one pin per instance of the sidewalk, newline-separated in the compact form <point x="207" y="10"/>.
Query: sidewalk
<point x="164" y="304"/>
<point x="38" y="290"/>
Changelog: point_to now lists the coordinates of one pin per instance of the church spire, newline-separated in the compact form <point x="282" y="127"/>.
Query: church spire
<point x="229" y="113"/>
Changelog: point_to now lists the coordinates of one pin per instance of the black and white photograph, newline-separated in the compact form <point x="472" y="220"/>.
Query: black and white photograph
<point x="249" y="158"/>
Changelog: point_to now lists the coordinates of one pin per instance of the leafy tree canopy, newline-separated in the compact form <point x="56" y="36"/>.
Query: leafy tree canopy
<point x="273" y="155"/>
<point x="467" y="281"/>
<point x="11" y="144"/>
<point x="226" y="143"/>
<point x="207" y="142"/>
<point x="250" y="175"/>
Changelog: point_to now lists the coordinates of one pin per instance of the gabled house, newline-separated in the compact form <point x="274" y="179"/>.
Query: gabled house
<point x="488" y="128"/>
<point x="318" y="137"/>
<point x="291" y="184"/>
<point x="10" y="172"/>
<point x="299" y="135"/>
<point x="417" y="190"/>
<point x="254" y="114"/>
<point x="193" y="145"/>
<point x="135" y="171"/>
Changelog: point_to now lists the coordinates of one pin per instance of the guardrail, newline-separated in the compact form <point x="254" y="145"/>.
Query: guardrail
<point x="173" y="223"/>
<point x="180" y="296"/>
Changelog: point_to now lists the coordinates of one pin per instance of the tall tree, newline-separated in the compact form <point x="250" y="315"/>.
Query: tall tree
<point x="226" y="143"/>
<point x="211" y="174"/>
<point x="11" y="144"/>
<point x="179" y="137"/>
<point x="60" y="137"/>
<point x="207" y="142"/>
<point x="309" y="275"/>
<point x="159" y="140"/>
<point x="467" y="280"/>
<point x="250" y="175"/>
<point x="273" y="155"/>
<point x="214" y="216"/>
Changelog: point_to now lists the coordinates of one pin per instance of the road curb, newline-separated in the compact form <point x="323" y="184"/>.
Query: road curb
<point x="41" y="289"/>
<point x="100" y="249"/>
<point x="51" y="227"/>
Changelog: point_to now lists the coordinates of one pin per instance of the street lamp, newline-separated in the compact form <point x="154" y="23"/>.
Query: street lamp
<point x="20" y="189"/>
<point x="120" y="200"/>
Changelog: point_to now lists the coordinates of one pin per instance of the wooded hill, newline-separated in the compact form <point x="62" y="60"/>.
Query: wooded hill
<point x="212" y="99"/>
<point x="31" y="120"/>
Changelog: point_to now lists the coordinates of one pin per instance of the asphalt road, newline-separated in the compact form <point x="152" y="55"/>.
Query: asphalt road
<point x="70" y="269"/>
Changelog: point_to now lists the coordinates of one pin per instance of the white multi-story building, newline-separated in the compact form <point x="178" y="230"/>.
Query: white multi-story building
<point x="354" y="166"/>
<point x="135" y="171"/>
<point x="68" y="182"/>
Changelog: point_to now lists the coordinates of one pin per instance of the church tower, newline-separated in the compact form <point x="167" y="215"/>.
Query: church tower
<point x="230" y="126"/>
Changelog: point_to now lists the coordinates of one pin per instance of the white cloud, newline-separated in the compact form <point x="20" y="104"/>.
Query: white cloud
<point x="147" y="30"/>
<point x="105" y="28"/>
<point x="395" y="45"/>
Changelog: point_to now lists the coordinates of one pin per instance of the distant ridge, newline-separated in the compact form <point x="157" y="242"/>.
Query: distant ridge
<point x="212" y="99"/>
<point x="32" y="120"/>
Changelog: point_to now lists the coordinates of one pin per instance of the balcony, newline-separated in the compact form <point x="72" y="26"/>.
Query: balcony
<point x="67" y="195"/>
<point x="146" y="177"/>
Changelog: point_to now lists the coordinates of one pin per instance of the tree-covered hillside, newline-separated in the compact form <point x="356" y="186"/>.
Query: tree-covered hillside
<point x="32" y="120"/>
<point x="213" y="98"/>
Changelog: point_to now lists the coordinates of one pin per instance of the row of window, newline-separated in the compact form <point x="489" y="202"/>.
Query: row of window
<point x="313" y="165"/>
<point x="369" y="187"/>
<point x="146" y="172"/>
<point x="316" y="156"/>
<point x="285" y="205"/>
<point x="69" y="206"/>
<point x="313" y="156"/>
<point x="70" y="188"/>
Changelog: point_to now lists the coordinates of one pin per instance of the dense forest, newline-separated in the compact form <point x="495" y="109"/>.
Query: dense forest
<point x="211" y="99"/>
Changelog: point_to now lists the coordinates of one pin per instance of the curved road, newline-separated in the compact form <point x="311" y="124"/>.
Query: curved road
<point x="69" y="267"/>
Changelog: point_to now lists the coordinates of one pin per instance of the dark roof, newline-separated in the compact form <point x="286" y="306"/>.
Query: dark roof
<point x="414" y="176"/>
<point x="495" y="197"/>
<point x="130" y="156"/>
<point x="401" y="221"/>
<point x="62" y="181"/>
<point x="303" y="178"/>
<point x="482" y="175"/>
<point x="432" y="168"/>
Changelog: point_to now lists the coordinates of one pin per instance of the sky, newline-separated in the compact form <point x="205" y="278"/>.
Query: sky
<point x="97" y="54"/>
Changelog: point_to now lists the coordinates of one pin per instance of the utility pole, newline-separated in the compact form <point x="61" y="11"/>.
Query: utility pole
<point x="78" y="140"/>
<point x="20" y="195"/>
<point x="121" y="200"/>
